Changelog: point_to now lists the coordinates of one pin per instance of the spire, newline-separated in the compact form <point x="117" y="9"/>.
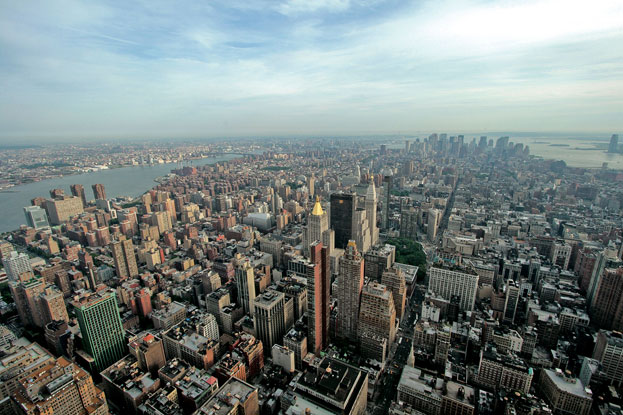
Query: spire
<point x="317" y="211"/>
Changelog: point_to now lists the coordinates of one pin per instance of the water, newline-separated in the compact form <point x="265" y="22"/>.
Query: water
<point x="125" y="181"/>
<point x="576" y="152"/>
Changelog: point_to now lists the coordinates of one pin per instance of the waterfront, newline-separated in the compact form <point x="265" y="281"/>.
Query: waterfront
<point x="125" y="181"/>
<point x="576" y="152"/>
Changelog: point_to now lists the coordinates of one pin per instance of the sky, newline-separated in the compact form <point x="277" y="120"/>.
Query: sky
<point x="191" y="69"/>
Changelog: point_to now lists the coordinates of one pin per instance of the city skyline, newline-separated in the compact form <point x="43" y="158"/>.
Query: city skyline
<point x="293" y="67"/>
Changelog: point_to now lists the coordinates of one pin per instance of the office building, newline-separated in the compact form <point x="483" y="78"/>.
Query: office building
<point x="506" y="371"/>
<point x="370" y="205"/>
<point x="148" y="350"/>
<point x="332" y="387"/>
<point x="511" y="301"/>
<point x="26" y="294"/>
<point x="434" y="396"/>
<point x="61" y="210"/>
<point x="462" y="283"/>
<point x="270" y="318"/>
<point x="613" y="147"/>
<point x="318" y="297"/>
<point x="15" y="264"/>
<point x="21" y="357"/>
<point x="350" y="284"/>
<point x="343" y="207"/>
<point x="609" y="352"/>
<point x="606" y="309"/>
<point x="235" y="397"/>
<point x="99" y="192"/>
<point x="317" y="229"/>
<point x="36" y="217"/>
<point x="394" y="280"/>
<point x="387" y="193"/>
<point x="169" y="315"/>
<point x="245" y="281"/>
<point x="565" y="394"/>
<point x="103" y="337"/>
<point x="376" y="327"/>
<point x="59" y="388"/>
<point x="379" y="259"/>
<point x="125" y="260"/>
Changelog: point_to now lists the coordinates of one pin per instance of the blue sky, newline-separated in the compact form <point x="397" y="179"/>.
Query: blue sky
<point x="72" y="69"/>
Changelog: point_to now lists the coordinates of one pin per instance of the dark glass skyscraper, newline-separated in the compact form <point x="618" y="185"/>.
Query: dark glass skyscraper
<point x="343" y="207"/>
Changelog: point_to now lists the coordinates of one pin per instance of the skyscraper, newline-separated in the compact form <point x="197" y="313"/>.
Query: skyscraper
<point x="350" y="284"/>
<point x="376" y="327"/>
<point x="270" y="318"/>
<point x="125" y="260"/>
<point x="394" y="280"/>
<point x="387" y="192"/>
<point x="317" y="228"/>
<point x="36" y="217"/>
<point x="371" y="213"/>
<point x="606" y="310"/>
<point x="342" y="212"/>
<point x="99" y="191"/>
<point x="102" y="332"/>
<point x="318" y="297"/>
<point x="245" y="281"/>
<point x="77" y="190"/>
<point x="614" y="144"/>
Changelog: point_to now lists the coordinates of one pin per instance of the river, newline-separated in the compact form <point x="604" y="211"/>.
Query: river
<point x="125" y="181"/>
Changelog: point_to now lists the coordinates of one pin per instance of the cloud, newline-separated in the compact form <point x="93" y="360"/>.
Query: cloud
<point x="229" y="67"/>
<point x="296" y="7"/>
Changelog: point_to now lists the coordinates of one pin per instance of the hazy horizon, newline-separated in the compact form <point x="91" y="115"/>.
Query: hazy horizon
<point x="74" y="71"/>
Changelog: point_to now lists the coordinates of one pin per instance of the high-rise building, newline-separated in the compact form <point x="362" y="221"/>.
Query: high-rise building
<point x="565" y="394"/>
<point x="370" y="205"/>
<point x="387" y="193"/>
<point x="61" y="210"/>
<point x="434" y="219"/>
<point x="99" y="192"/>
<point x="26" y="294"/>
<point x="77" y="190"/>
<point x="613" y="147"/>
<point x="448" y="283"/>
<point x="148" y="351"/>
<point x="36" y="217"/>
<point x="100" y="324"/>
<point x="270" y="318"/>
<point x="428" y="394"/>
<point x="376" y="327"/>
<point x="317" y="228"/>
<point x="394" y="280"/>
<point x="15" y="264"/>
<point x="125" y="260"/>
<point x="62" y="388"/>
<point x="511" y="301"/>
<point x="343" y="207"/>
<point x="311" y="186"/>
<point x="606" y="309"/>
<point x="408" y="223"/>
<point x="318" y="288"/>
<point x="378" y="260"/>
<point x="52" y="303"/>
<point x="350" y="284"/>
<point x="245" y="281"/>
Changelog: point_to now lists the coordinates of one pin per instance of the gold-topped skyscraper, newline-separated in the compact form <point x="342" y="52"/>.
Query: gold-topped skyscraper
<point x="317" y="229"/>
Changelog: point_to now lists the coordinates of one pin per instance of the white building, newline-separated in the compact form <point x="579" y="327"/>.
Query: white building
<point x="447" y="283"/>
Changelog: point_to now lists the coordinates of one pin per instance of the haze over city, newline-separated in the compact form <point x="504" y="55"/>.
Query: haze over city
<point x="94" y="70"/>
